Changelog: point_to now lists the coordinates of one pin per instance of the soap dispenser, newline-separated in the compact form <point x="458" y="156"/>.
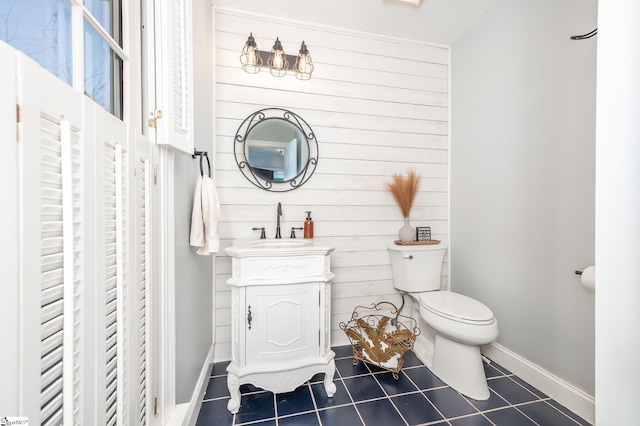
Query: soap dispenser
<point x="308" y="226"/>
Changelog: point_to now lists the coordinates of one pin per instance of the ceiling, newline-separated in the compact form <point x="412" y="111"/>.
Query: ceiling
<point x="434" y="21"/>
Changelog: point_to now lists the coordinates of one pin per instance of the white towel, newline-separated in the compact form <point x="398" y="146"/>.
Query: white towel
<point x="205" y="217"/>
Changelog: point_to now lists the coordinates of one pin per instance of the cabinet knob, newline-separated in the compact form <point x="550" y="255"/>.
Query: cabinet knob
<point x="249" y="318"/>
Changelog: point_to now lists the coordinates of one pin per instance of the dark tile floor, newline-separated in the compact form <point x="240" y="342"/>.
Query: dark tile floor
<point x="370" y="396"/>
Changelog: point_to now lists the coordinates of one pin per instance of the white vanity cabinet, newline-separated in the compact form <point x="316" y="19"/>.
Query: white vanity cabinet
<point x="280" y="316"/>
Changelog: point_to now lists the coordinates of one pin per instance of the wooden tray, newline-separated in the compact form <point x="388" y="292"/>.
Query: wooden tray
<point x="417" y="243"/>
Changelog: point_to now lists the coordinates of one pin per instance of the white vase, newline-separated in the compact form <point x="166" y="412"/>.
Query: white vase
<point x="407" y="233"/>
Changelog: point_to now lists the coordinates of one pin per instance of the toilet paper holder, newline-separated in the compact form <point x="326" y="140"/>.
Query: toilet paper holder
<point x="588" y="277"/>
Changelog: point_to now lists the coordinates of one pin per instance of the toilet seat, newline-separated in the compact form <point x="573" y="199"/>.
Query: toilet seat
<point x="457" y="307"/>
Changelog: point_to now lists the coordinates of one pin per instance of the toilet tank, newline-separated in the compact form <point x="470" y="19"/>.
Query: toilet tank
<point x="417" y="268"/>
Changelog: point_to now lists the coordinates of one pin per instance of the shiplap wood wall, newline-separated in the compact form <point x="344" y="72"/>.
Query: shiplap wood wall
<point x="377" y="106"/>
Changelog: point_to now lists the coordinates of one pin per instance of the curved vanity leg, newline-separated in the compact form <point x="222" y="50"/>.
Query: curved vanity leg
<point x="234" y="389"/>
<point x="329" y="386"/>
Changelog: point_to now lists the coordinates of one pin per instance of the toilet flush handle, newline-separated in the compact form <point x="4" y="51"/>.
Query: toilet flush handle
<point x="410" y="257"/>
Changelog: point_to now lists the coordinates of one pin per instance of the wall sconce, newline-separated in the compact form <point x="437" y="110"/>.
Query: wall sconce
<point x="277" y="61"/>
<point x="252" y="60"/>
<point x="304" y="65"/>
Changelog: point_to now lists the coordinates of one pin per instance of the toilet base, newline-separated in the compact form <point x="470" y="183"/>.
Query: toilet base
<point x="460" y="366"/>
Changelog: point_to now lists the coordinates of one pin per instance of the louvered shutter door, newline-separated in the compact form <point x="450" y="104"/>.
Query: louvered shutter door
<point x="142" y="229"/>
<point x="175" y="75"/>
<point x="52" y="274"/>
<point x="73" y="254"/>
<point x="50" y="246"/>
<point x="115" y="193"/>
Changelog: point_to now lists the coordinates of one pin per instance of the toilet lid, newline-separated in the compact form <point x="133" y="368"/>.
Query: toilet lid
<point x="456" y="307"/>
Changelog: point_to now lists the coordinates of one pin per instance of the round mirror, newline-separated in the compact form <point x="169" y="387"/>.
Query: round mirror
<point x="276" y="149"/>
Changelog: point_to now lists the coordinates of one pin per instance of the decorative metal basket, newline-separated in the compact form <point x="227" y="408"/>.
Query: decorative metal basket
<point x="378" y="339"/>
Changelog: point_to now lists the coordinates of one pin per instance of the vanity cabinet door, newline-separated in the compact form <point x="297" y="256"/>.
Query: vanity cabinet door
<point x="284" y="323"/>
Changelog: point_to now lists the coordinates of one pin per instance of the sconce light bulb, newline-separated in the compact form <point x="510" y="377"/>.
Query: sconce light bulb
<point x="303" y="65"/>
<point x="277" y="59"/>
<point x="250" y="56"/>
<point x="278" y="54"/>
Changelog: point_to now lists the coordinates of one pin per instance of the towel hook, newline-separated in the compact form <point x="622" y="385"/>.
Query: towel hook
<point x="202" y="154"/>
<point x="585" y="36"/>
<point x="208" y="164"/>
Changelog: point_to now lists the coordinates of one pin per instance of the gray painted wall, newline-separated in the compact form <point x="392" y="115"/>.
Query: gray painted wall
<point x="523" y="179"/>
<point x="194" y="273"/>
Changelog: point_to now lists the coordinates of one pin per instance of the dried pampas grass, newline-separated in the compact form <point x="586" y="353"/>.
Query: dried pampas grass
<point x="404" y="189"/>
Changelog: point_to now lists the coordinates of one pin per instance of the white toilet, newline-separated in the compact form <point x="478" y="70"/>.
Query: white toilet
<point x="460" y="324"/>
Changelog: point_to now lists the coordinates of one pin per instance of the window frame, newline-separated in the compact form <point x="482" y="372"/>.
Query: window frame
<point x="81" y="14"/>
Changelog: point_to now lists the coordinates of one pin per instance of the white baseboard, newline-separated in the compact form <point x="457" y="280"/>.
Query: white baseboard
<point x="193" y="407"/>
<point x="179" y="415"/>
<point x="574" y="399"/>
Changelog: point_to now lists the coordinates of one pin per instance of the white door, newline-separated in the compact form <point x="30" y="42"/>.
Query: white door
<point x="83" y="258"/>
<point x="51" y="284"/>
<point x="284" y="322"/>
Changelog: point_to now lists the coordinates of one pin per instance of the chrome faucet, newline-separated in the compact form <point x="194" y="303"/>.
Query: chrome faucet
<point x="278" y="214"/>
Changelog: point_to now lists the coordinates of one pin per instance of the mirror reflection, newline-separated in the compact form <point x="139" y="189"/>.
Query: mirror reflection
<point x="276" y="149"/>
